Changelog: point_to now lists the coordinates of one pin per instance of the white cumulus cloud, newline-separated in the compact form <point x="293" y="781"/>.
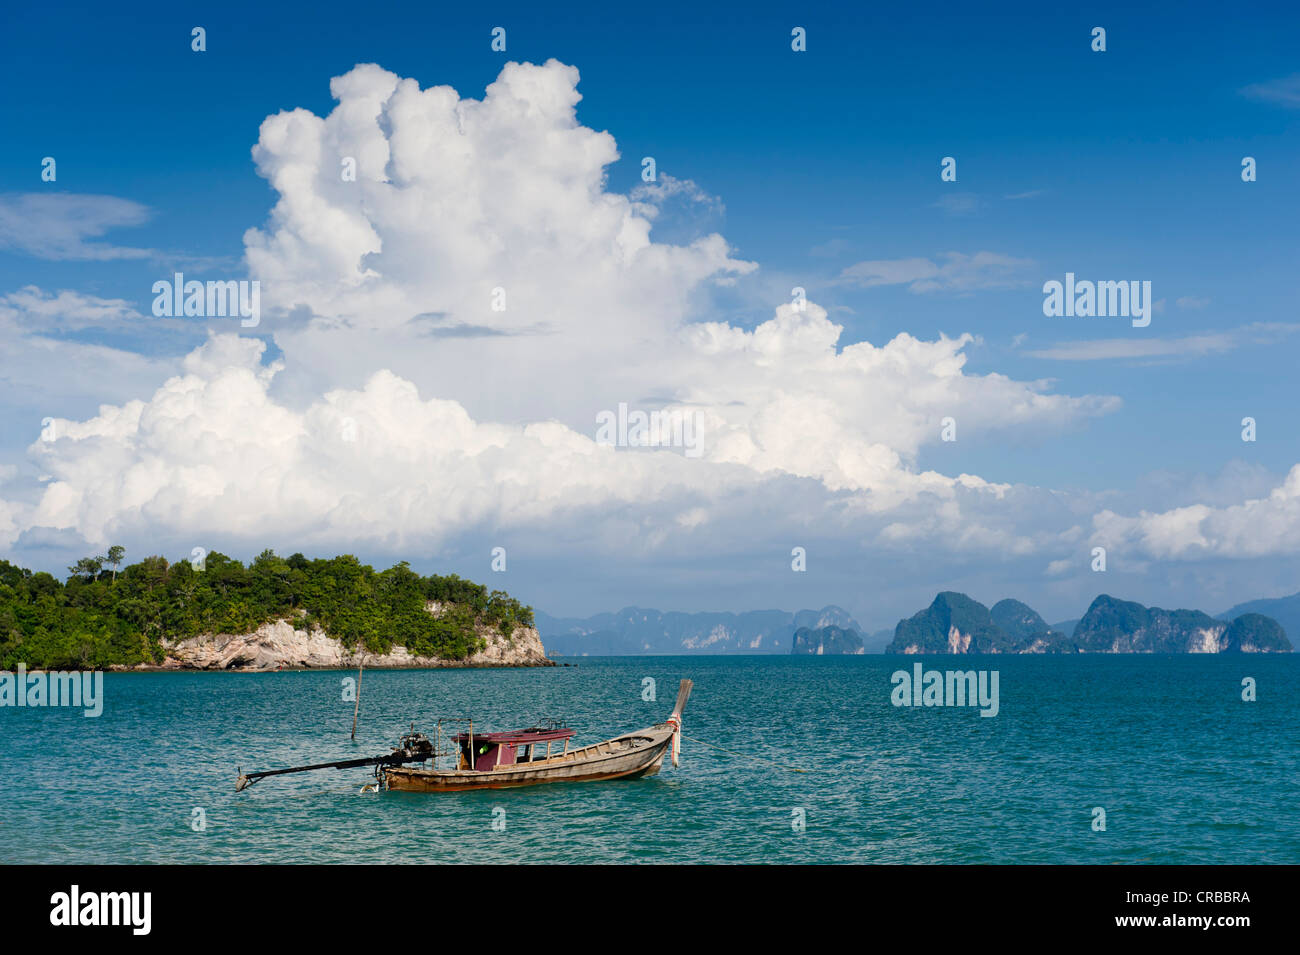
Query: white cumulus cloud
<point x="406" y="410"/>
<point x="1268" y="525"/>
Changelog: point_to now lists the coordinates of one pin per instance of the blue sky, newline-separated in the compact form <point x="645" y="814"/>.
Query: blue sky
<point x="1117" y="165"/>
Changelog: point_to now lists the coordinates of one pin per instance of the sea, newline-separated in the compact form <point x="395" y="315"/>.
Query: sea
<point x="1094" y="759"/>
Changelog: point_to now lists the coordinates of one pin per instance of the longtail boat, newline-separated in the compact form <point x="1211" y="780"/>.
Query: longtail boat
<point x="513" y="758"/>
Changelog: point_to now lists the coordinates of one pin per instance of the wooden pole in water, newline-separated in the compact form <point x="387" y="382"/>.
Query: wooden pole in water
<point x="361" y="665"/>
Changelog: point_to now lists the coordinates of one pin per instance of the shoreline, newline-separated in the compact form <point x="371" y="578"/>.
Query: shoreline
<point x="158" y="668"/>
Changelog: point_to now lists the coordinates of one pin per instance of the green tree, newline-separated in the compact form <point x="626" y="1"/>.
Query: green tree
<point x="87" y="567"/>
<point x="116" y="554"/>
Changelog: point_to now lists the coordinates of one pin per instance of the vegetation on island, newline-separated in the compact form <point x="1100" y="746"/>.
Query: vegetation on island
<point x="107" y="614"/>
<point x="929" y="630"/>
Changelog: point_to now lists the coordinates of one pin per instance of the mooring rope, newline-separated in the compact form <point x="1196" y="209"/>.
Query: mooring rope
<point x="793" y="769"/>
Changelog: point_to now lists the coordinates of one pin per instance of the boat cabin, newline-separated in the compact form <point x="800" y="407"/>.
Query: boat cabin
<point x="486" y="751"/>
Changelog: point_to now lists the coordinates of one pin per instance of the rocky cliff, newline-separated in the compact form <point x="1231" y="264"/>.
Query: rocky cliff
<point x="279" y="645"/>
<point x="826" y="640"/>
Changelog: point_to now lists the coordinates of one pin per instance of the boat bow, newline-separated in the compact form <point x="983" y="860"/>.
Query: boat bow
<point x="675" y="720"/>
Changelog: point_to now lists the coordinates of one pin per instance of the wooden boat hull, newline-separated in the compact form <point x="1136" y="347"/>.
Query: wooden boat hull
<point x="630" y="756"/>
<point x="491" y="760"/>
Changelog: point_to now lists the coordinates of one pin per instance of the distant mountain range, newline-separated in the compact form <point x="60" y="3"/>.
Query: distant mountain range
<point x="954" y="623"/>
<point x="634" y="630"/>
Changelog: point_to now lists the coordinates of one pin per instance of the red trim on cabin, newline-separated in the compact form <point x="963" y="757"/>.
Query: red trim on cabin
<point x="502" y="749"/>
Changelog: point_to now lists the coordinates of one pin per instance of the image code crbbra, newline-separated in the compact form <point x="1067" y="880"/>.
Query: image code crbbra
<point x="581" y="435"/>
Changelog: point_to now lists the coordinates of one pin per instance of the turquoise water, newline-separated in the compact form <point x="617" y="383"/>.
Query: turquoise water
<point x="1186" y="771"/>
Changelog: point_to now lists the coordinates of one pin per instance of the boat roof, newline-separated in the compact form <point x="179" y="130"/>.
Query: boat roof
<point x="532" y="734"/>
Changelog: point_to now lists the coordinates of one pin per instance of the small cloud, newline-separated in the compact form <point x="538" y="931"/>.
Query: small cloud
<point x="693" y="518"/>
<point x="60" y="225"/>
<point x="950" y="271"/>
<point x="44" y="311"/>
<point x="876" y="272"/>
<point x="185" y="262"/>
<point x="1019" y="340"/>
<point x="959" y="204"/>
<point x="1121" y="348"/>
<point x="1191" y="301"/>
<point x="831" y="249"/>
<point x="1031" y="194"/>
<point x="1190" y="346"/>
<point x="1283" y="92"/>
<point x="649" y="196"/>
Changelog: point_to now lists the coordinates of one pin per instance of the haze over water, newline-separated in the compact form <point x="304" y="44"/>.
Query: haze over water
<point x="1186" y="771"/>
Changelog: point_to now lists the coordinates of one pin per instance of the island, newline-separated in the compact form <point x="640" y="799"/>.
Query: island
<point x="276" y="613"/>
<point x="824" y="640"/>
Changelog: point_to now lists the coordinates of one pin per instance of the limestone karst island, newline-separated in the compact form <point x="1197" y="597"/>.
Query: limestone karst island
<point x="275" y="613"/>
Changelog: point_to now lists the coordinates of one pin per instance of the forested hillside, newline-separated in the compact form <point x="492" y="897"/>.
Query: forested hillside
<point x="103" y="616"/>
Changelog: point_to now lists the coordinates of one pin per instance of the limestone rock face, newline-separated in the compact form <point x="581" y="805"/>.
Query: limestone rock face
<point x="953" y="623"/>
<point x="270" y="646"/>
<point x="278" y="645"/>
<point x="523" y="648"/>
<point x="823" y="640"/>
